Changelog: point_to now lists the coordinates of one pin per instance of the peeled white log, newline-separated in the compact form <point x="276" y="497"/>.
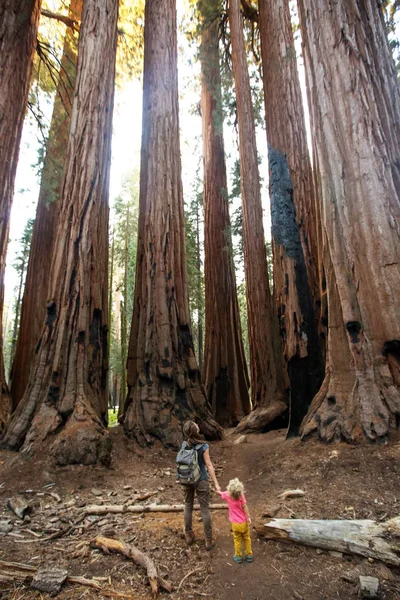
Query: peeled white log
<point x="365" y="538"/>
<point x="103" y="509"/>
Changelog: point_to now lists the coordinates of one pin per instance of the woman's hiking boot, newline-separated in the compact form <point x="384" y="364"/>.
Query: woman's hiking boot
<point x="209" y="544"/>
<point x="189" y="537"/>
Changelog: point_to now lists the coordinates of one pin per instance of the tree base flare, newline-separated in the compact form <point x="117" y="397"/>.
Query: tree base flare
<point x="158" y="415"/>
<point x="83" y="444"/>
<point x="261" y="419"/>
<point x="353" y="409"/>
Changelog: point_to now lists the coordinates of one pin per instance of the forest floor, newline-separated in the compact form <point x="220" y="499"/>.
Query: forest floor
<point x="339" y="481"/>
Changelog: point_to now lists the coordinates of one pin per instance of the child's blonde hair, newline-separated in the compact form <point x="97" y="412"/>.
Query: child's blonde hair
<point x="235" y="488"/>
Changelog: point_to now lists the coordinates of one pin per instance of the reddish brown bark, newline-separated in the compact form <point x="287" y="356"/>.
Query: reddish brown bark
<point x="356" y="129"/>
<point x="293" y="209"/>
<point x="267" y="375"/>
<point x="19" y="20"/>
<point x="66" y="397"/>
<point x="33" y="310"/>
<point x="164" y="385"/>
<point x="225" y="371"/>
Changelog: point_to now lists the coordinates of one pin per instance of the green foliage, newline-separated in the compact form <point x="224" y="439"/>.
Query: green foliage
<point x="130" y="48"/>
<point x="391" y="12"/>
<point x="122" y="276"/>
<point x="20" y="265"/>
<point x="194" y="251"/>
<point x="112" y="417"/>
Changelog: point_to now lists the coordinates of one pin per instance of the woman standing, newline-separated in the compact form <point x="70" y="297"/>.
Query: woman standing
<point x="191" y="434"/>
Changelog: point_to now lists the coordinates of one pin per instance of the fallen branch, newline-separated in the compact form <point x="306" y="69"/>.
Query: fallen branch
<point x="367" y="538"/>
<point x="186" y="576"/>
<point x="103" y="509"/>
<point x="19" y="571"/>
<point x="143" y="560"/>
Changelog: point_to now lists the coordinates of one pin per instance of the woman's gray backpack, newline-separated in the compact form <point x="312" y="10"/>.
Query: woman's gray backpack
<point x="187" y="464"/>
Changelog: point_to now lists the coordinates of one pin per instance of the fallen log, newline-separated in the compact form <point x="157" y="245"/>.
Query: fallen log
<point x="291" y="494"/>
<point x="143" y="560"/>
<point x="368" y="538"/>
<point x="103" y="509"/>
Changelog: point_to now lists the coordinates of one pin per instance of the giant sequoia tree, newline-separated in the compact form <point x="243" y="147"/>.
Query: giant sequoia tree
<point x="163" y="377"/>
<point x="293" y="209"/>
<point x="267" y="375"/>
<point x="66" y="396"/>
<point x="19" y="20"/>
<point x="33" y="310"/>
<point x="225" y="370"/>
<point x="356" y="128"/>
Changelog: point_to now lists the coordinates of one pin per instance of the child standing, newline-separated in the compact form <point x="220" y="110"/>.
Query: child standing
<point x="239" y="517"/>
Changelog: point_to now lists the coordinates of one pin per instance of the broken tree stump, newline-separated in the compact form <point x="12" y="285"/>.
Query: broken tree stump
<point x="362" y="537"/>
<point x="19" y="507"/>
<point x="49" y="579"/>
<point x="143" y="560"/>
<point x="103" y="509"/>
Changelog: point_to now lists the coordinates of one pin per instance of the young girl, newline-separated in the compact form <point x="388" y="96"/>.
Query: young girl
<point x="239" y="517"/>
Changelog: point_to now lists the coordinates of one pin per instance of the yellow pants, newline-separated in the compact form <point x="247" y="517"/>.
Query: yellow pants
<point x="241" y="531"/>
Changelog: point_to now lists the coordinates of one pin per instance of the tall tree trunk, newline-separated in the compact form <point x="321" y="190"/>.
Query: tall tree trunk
<point x="67" y="394"/>
<point x="225" y="371"/>
<point x="19" y="20"/>
<point x="267" y="374"/>
<point x="356" y="128"/>
<point x="33" y="310"/>
<point x="163" y="378"/>
<point x="292" y="195"/>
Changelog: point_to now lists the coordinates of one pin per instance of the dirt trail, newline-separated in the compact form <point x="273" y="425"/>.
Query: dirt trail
<point x="340" y="482"/>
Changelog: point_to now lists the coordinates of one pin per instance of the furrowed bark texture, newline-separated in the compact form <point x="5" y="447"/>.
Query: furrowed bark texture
<point x="225" y="370"/>
<point x="33" y="310"/>
<point x="163" y="378"/>
<point x="294" y="240"/>
<point x="19" y="20"/>
<point x="67" y="390"/>
<point x="356" y="127"/>
<point x="267" y="374"/>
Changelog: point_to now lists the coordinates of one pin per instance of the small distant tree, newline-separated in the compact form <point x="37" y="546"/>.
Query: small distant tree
<point x="122" y="281"/>
<point x="20" y="266"/>
<point x="194" y="251"/>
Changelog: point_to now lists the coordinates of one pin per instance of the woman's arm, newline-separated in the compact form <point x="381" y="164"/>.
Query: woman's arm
<point x="210" y="469"/>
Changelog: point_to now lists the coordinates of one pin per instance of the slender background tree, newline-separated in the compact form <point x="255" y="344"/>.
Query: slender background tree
<point x="267" y="374"/>
<point x="225" y="370"/>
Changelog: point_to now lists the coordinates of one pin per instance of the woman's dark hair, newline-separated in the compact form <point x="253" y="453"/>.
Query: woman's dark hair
<point x="191" y="434"/>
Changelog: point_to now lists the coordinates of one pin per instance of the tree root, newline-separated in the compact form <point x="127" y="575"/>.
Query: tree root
<point x="261" y="418"/>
